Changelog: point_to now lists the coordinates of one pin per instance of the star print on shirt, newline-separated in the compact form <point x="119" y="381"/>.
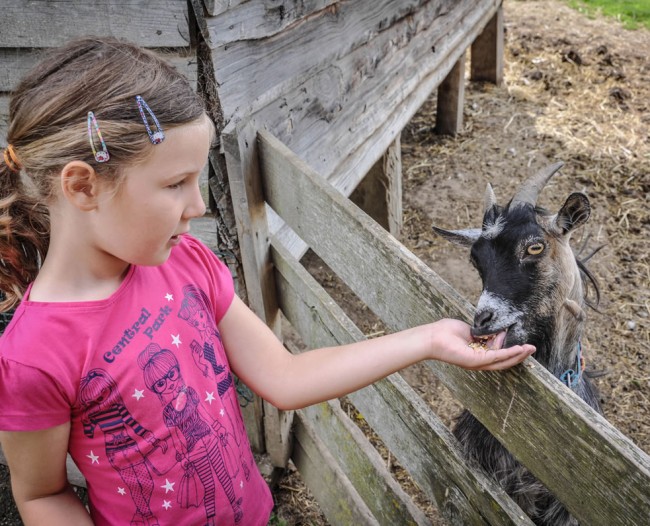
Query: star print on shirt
<point x="209" y="397"/>
<point x="167" y="504"/>
<point x="169" y="486"/>
<point x="138" y="394"/>
<point x="176" y="340"/>
<point x="169" y="297"/>
<point x="121" y="491"/>
<point x="94" y="459"/>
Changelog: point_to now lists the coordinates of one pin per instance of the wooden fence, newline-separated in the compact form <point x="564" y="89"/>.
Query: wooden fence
<point x="599" y="474"/>
<point x="309" y="99"/>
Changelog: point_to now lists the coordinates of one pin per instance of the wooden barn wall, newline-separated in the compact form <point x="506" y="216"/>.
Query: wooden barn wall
<point x="336" y="81"/>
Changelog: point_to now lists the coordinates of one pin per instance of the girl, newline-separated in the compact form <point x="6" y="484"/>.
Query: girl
<point x="97" y="189"/>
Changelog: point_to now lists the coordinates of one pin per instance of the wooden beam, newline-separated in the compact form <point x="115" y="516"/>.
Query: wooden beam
<point x="273" y="432"/>
<point x="451" y="99"/>
<point x="487" y="52"/>
<point x="379" y="194"/>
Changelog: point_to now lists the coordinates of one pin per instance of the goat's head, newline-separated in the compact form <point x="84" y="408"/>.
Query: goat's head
<point x="532" y="283"/>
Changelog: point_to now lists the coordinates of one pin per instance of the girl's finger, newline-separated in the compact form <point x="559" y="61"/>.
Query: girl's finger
<point x="506" y="358"/>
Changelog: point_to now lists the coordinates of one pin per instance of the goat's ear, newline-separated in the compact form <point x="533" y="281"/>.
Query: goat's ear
<point x="574" y="212"/>
<point x="465" y="238"/>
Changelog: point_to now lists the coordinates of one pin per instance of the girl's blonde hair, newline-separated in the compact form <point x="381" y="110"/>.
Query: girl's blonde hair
<point x="48" y="128"/>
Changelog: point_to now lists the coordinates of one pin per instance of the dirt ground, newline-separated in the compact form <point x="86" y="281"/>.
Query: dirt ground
<point x="577" y="90"/>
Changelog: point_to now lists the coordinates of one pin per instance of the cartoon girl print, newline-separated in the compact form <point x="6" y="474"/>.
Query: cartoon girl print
<point x="194" y="310"/>
<point x="202" y="444"/>
<point x="102" y="406"/>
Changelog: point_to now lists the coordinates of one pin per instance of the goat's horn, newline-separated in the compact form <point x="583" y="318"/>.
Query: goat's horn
<point x="490" y="199"/>
<point x="530" y="189"/>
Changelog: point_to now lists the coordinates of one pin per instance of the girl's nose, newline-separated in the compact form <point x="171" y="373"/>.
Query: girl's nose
<point x="196" y="206"/>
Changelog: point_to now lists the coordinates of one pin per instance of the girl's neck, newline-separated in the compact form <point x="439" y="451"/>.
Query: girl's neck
<point x="74" y="272"/>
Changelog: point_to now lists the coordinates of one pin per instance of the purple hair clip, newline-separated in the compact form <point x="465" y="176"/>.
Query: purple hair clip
<point x="155" y="137"/>
<point x="101" y="156"/>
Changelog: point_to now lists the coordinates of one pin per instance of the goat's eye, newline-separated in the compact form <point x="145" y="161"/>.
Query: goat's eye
<point x="535" y="249"/>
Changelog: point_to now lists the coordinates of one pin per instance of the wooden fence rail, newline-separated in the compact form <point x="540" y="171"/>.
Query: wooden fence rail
<point x="597" y="472"/>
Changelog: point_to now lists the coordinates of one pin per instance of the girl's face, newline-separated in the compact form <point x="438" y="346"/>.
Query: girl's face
<point x="143" y="220"/>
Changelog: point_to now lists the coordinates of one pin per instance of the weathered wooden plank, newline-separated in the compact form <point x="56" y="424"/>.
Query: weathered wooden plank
<point x="337" y="497"/>
<point x="567" y="438"/>
<point x="15" y="63"/>
<point x="362" y="465"/>
<point x="42" y="23"/>
<point x="245" y="20"/>
<point x="417" y="438"/>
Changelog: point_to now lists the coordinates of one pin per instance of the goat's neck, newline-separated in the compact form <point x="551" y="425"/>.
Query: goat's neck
<point x="557" y="348"/>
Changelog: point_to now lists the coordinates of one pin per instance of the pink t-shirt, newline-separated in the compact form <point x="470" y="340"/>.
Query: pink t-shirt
<point x="144" y="380"/>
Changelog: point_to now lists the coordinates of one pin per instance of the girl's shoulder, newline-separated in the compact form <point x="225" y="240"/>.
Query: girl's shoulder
<point x="202" y="269"/>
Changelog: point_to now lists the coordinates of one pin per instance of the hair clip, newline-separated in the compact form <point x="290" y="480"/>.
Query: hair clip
<point x="102" y="155"/>
<point x="155" y="137"/>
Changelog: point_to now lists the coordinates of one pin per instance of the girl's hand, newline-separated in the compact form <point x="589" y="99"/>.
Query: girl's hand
<point x="451" y="343"/>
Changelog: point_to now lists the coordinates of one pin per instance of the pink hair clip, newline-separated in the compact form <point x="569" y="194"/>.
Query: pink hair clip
<point x="155" y="137"/>
<point x="101" y="156"/>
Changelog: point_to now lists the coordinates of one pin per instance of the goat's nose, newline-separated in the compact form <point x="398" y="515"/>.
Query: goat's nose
<point x="482" y="319"/>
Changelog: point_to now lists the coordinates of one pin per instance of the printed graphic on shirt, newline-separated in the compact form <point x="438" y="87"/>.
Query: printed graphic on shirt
<point x="204" y="447"/>
<point x="194" y="310"/>
<point x="104" y="408"/>
<point x="199" y="449"/>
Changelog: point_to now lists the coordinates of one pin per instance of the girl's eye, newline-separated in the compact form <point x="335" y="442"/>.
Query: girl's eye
<point x="176" y="185"/>
<point x="535" y="249"/>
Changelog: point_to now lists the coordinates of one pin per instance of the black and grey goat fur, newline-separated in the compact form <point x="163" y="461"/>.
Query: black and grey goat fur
<point x="533" y="287"/>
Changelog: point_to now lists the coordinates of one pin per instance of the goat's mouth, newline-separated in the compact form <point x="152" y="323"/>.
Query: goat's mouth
<point x="491" y="341"/>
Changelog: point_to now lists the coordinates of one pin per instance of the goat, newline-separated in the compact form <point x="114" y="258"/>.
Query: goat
<point x="534" y="288"/>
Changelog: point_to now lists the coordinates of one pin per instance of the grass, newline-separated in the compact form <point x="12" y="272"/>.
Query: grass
<point x="632" y="13"/>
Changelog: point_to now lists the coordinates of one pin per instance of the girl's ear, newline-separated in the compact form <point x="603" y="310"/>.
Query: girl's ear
<point x="80" y="185"/>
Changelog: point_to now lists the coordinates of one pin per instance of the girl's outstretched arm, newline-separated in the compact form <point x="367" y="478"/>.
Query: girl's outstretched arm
<point x="39" y="479"/>
<point x="292" y="381"/>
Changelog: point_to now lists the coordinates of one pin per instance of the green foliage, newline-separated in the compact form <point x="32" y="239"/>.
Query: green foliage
<point x="632" y="13"/>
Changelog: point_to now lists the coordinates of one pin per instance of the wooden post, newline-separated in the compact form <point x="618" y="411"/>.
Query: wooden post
<point x="487" y="52"/>
<point x="240" y="146"/>
<point x="380" y="193"/>
<point x="451" y="97"/>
